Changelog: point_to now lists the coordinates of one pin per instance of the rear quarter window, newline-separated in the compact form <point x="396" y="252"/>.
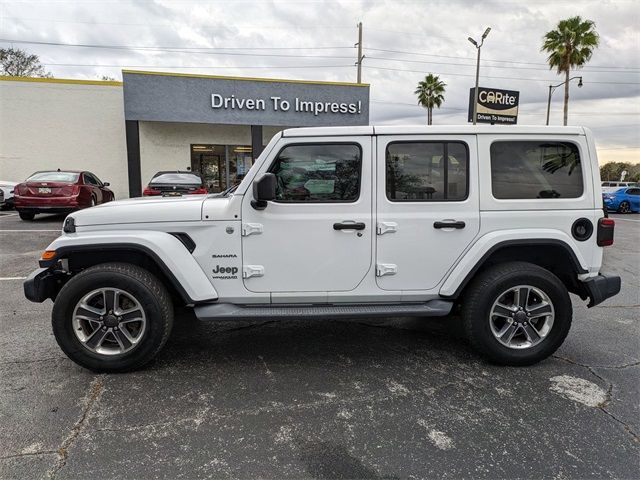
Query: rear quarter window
<point x="535" y="169"/>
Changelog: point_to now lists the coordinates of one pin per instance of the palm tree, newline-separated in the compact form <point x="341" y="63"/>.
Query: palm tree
<point x="430" y="94"/>
<point x="569" y="46"/>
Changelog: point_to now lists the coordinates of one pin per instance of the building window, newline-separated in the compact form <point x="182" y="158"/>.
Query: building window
<point x="221" y="166"/>
<point x="534" y="169"/>
<point x="318" y="173"/>
<point x="418" y="172"/>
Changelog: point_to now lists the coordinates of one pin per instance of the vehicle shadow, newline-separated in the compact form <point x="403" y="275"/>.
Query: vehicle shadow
<point x="313" y="341"/>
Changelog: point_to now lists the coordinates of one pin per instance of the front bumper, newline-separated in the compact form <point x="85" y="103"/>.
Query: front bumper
<point x="41" y="284"/>
<point x="600" y="288"/>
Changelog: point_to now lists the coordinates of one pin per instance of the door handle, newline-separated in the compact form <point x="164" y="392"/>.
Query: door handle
<point x="452" y="224"/>
<point x="349" y="226"/>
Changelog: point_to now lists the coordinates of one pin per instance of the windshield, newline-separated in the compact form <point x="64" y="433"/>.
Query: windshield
<point x="68" y="177"/>
<point x="181" y="178"/>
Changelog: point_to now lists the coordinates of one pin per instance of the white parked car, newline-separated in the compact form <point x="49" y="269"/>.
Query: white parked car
<point x="7" y="190"/>
<point x="613" y="186"/>
<point x="498" y="222"/>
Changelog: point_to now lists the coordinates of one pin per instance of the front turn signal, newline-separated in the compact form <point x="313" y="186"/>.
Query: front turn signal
<point x="48" y="255"/>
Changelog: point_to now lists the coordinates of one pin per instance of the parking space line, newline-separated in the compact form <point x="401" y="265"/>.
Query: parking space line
<point x="8" y="215"/>
<point x="31" y="230"/>
<point x="12" y="278"/>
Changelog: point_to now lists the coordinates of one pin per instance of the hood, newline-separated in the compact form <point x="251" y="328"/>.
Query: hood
<point x="143" y="210"/>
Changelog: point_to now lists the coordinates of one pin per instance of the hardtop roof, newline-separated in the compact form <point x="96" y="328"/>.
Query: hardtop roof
<point x="433" y="130"/>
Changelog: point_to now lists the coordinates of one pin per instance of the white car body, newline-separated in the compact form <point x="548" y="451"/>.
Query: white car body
<point x="252" y="254"/>
<point x="7" y="190"/>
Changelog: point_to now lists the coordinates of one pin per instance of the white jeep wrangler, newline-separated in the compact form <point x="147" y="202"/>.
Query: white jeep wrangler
<point x="498" y="222"/>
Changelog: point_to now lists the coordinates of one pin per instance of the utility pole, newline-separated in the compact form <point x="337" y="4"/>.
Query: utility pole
<point x="360" y="55"/>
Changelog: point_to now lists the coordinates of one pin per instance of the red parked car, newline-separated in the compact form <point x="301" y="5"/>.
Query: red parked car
<point x="61" y="191"/>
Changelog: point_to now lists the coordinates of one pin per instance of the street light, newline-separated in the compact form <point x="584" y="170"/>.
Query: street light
<point x="552" y="89"/>
<point x="478" y="47"/>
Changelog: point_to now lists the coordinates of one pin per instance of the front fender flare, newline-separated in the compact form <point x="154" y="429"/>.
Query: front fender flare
<point x="169" y="253"/>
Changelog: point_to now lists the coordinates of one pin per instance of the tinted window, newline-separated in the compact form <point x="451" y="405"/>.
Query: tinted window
<point x="527" y="170"/>
<point x="68" y="177"/>
<point x="633" y="191"/>
<point x="318" y="173"/>
<point x="417" y="171"/>
<point x="90" y="179"/>
<point x="180" y="178"/>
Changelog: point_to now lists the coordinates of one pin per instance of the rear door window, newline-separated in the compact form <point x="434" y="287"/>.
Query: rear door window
<point x="535" y="169"/>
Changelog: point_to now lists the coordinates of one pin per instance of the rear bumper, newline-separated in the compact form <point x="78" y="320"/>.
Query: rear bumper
<point x="46" y="204"/>
<point x="600" y="288"/>
<point x="40" y="285"/>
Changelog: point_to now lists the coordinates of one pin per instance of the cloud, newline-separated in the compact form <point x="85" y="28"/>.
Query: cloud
<point x="435" y="33"/>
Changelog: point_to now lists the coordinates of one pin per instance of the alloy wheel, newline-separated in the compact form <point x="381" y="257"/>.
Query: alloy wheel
<point x="109" y="321"/>
<point x="521" y="317"/>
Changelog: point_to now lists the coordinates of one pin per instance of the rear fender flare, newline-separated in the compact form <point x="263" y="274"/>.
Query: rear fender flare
<point x="472" y="260"/>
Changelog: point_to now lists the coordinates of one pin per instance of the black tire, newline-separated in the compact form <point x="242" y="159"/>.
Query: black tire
<point x="484" y="290"/>
<point x="146" y="288"/>
<point x="624" y="207"/>
<point x="27" y="215"/>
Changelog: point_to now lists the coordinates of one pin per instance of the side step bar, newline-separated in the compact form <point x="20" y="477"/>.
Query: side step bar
<point x="229" y="311"/>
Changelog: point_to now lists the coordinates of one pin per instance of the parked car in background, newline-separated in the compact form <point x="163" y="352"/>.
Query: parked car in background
<point x="623" y="200"/>
<point x="59" y="192"/>
<point x="7" y="190"/>
<point x="613" y="186"/>
<point x="175" y="183"/>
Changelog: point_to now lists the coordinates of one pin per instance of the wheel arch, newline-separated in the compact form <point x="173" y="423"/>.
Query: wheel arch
<point x="551" y="254"/>
<point x="161" y="253"/>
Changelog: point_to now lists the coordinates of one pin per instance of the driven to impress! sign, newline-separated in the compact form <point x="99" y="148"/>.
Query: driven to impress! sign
<point x="238" y="101"/>
<point x="495" y="106"/>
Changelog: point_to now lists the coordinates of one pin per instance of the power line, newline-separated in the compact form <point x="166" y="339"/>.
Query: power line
<point x="240" y="67"/>
<point x="488" y="76"/>
<point x="487" y="66"/>
<point x="487" y="60"/>
<point x="192" y="50"/>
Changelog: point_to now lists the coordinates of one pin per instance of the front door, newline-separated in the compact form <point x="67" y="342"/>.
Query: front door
<point x="427" y="208"/>
<point x="316" y="236"/>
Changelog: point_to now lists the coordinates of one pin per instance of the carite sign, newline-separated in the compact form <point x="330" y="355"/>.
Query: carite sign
<point x="495" y="105"/>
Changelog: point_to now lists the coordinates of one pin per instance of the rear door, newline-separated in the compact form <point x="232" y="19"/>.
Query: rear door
<point x="316" y="236"/>
<point x="427" y="207"/>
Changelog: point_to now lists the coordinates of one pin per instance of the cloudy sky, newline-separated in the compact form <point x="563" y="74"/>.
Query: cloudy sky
<point x="314" y="39"/>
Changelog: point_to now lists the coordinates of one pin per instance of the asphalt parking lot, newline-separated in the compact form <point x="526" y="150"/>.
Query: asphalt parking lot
<point x="325" y="399"/>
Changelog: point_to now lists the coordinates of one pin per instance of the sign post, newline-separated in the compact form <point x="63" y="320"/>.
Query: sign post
<point x="495" y="106"/>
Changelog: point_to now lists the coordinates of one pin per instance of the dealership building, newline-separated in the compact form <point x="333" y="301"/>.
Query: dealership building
<point x="124" y="132"/>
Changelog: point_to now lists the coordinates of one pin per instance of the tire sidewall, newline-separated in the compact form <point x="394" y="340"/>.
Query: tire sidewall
<point x="79" y="286"/>
<point x="563" y="311"/>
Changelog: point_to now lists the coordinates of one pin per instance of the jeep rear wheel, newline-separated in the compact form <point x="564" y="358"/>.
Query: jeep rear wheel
<point x="517" y="313"/>
<point x="112" y="317"/>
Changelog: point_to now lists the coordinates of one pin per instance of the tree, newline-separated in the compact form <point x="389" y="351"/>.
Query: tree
<point x="430" y="94"/>
<point x="18" y="63"/>
<point x="569" y="46"/>
<point x="613" y="171"/>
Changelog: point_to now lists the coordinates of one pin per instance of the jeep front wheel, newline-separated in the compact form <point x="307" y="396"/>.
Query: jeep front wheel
<point x="517" y="313"/>
<point x="112" y="317"/>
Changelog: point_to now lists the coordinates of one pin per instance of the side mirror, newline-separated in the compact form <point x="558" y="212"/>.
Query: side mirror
<point x="106" y="184"/>
<point x="264" y="189"/>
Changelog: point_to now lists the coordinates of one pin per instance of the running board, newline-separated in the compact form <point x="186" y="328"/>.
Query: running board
<point x="229" y="311"/>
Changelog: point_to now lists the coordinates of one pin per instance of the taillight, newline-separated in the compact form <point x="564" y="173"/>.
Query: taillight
<point x="605" y="232"/>
<point x="199" y="191"/>
<point x="20" y="189"/>
<point x="150" y="192"/>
